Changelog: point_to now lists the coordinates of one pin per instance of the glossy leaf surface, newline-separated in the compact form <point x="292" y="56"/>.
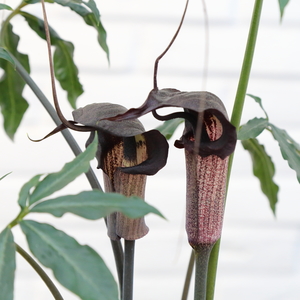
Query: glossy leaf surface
<point x="77" y="267"/>
<point x="7" y="264"/>
<point x="263" y="169"/>
<point x="95" y="205"/>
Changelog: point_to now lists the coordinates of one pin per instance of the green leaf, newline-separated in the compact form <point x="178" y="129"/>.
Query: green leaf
<point x="65" y="69"/>
<point x="168" y="127"/>
<point x="263" y="169"/>
<point x="25" y="190"/>
<point x="282" y="5"/>
<point x="95" y="205"/>
<point x="7" y="264"/>
<point x="90" y="18"/>
<point x="13" y="105"/>
<point x="37" y="25"/>
<point x="252" y="128"/>
<point x="4" y="176"/>
<point x="258" y="100"/>
<point x="77" y="267"/>
<point x="4" y="6"/>
<point x="93" y="7"/>
<point x="36" y="1"/>
<point x="76" y="6"/>
<point x="56" y="181"/>
<point x="290" y="150"/>
<point x="5" y="55"/>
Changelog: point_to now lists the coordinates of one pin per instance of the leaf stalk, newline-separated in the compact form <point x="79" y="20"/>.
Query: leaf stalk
<point x="235" y="120"/>
<point x="53" y="289"/>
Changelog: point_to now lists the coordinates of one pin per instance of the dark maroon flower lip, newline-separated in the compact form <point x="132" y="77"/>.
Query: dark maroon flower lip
<point x="112" y="133"/>
<point x="196" y="105"/>
<point x="93" y="118"/>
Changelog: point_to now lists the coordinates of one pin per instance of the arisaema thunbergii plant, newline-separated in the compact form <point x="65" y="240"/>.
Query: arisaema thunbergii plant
<point x="208" y="140"/>
<point x="126" y="154"/>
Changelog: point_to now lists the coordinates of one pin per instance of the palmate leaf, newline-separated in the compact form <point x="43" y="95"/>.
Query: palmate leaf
<point x="66" y="72"/>
<point x="77" y="267"/>
<point x="290" y="149"/>
<point x="263" y="169"/>
<point x="13" y="105"/>
<point x="7" y="264"/>
<point x="94" y="205"/>
<point x="56" y="181"/>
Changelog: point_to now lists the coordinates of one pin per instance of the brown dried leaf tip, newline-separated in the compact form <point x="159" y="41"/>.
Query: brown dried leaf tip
<point x="208" y="139"/>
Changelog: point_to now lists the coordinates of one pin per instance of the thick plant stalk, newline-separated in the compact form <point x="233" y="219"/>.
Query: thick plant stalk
<point x="128" y="275"/>
<point x="201" y="258"/>
<point x="126" y="154"/>
<point x="206" y="186"/>
<point x="235" y="120"/>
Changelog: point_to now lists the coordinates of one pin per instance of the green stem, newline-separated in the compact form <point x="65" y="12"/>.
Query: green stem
<point x="19" y="217"/>
<point x="235" y="120"/>
<point x="56" y="294"/>
<point x="7" y="20"/>
<point x="247" y="64"/>
<point x="212" y="268"/>
<point x="201" y="259"/>
<point x="128" y="274"/>
<point x="188" y="277"/>
<point x="51" y="111"/>
<point x="119" y="259"/>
